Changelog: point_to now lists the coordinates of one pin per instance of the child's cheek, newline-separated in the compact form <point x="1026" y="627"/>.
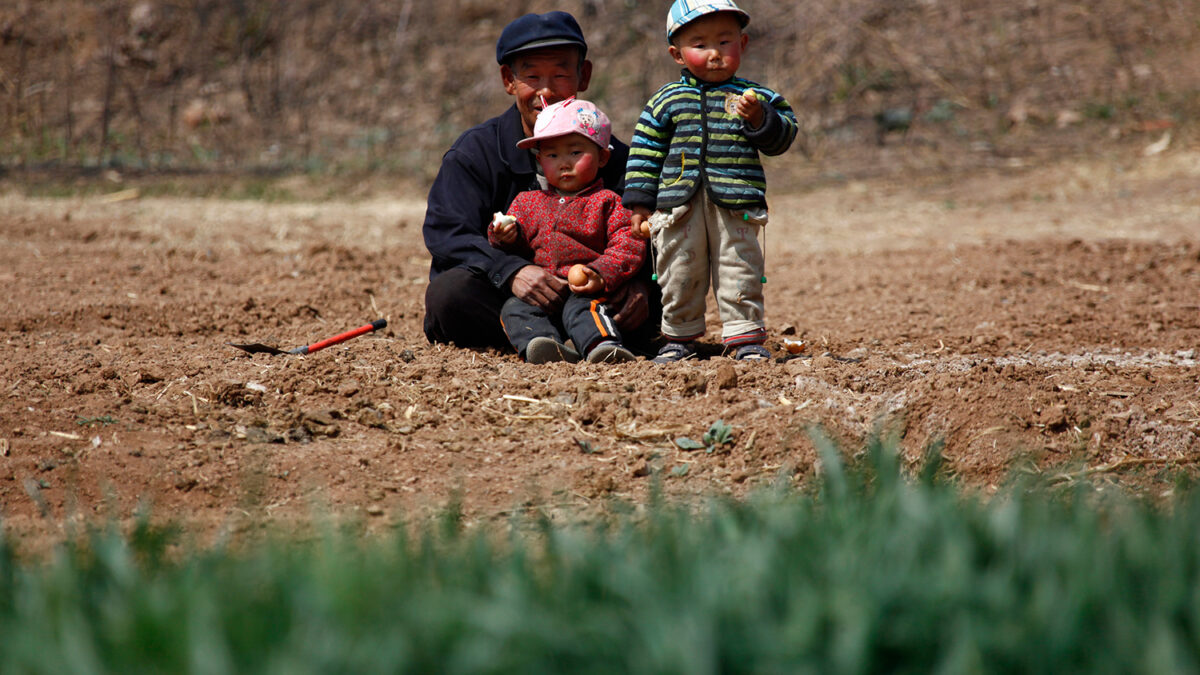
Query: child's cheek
<point x="549" y="166"/>
<point x="586" y="167"/>
<point x="697" y="61"/>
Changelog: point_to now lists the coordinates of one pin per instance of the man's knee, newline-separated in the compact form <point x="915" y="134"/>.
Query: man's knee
<point x="463" y="309"/>
<point x="444" y="289"/>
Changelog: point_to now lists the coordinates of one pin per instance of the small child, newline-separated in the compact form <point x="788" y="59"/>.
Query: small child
<point x="694" y="162"/>
<point x="575" y="229"/>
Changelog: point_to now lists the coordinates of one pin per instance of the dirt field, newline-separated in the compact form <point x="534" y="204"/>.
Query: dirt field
<point x="1044" y="316"/>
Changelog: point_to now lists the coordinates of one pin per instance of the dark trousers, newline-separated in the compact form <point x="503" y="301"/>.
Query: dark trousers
<point x="585" y="320"/>
<point x="463" y="309"/>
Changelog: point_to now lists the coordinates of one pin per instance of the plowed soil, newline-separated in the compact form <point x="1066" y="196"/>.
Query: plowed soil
<point x="1043" y="319"/>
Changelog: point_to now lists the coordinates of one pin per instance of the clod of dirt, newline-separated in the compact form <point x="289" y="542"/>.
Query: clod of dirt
<point x="726" y="377"/>
<point x="262" y="435"/>
<point x="1054" y="418"/>
<point x="825" y="360"/>
<point x="741" y="409"/>
<point x="298" y="435"/>
<point x="322" y="423"/>
<point x="797" y="366"/>
<point x="592" y="410"/>
<point x="642" y="470"/>
<point x="370" y="417"/>
<point x="236" y="394"/>
<point x="149" y="377"/>
<point x="604" y="484"/>
<point x="218" y="436"/>
<point x="688" y="382"/>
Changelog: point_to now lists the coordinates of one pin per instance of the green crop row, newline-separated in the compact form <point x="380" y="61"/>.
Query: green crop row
<point x="867" y="570"/>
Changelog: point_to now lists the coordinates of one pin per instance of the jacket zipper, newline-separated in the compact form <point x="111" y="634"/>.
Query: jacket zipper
<point x="703" y="128"/>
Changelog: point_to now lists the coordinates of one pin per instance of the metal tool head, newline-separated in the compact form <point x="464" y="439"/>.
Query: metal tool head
<point x="256" y="348"/>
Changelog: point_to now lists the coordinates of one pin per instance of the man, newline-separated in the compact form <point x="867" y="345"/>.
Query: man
<point x="543" y="60"/>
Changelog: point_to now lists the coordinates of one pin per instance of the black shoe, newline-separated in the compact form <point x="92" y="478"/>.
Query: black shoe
<point x="675" y="351"/>
<point x="752" y="353"/>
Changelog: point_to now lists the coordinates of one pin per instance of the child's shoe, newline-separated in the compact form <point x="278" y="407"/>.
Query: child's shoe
<point x="675" y="351"/>
<point x="752" y="353"/>
<point x="609" y="351"/>
<point x="549" y="350"/>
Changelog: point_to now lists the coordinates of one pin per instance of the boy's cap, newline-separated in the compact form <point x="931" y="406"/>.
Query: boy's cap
<point x="535" y="31"/>
<point x="571" y="116"/>
<point x="684" y="12"/>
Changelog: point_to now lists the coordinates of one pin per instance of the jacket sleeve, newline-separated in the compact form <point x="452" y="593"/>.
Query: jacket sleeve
<point x="779" y="127"/>
<point x="624" y="255"/>
<point x="647" y="152"/>
<point x="456" y="219"/>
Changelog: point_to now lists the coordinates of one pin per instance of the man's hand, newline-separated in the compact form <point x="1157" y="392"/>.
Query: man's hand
<point x="504" y="228"/>
<point x="749" y="108"/>
<point x="632" y="302"/>
<point x="639" y="223"/>
<point x="538" y="287"/>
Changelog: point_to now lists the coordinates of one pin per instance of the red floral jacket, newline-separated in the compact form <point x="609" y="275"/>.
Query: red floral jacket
<point x="590" y="227"/>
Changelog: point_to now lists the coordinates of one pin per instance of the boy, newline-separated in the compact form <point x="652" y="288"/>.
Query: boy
<point x="694" y="163"/>
<point x="574" y="229"/>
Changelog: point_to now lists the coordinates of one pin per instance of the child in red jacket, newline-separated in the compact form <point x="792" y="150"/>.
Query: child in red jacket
<point x="575" y="228"/>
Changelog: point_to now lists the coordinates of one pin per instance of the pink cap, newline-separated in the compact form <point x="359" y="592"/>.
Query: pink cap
<point x="572" y="116"/>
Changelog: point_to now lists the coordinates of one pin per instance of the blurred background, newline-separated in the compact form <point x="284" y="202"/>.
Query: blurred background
<point x="381" y="88"/>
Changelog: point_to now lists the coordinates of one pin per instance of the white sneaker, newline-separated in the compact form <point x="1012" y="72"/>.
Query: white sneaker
<point x="549" y="350"/>
<point x="610" y="351"/>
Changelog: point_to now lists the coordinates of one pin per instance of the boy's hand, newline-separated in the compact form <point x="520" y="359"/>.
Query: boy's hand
<point x="749" y="108"/>
<point x="584" y="280"/>
<point x="505" y="228"/>
<point x="639" y="223"/>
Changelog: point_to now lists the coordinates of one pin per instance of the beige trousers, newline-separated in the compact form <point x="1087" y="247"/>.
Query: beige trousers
<point x="698" y="243"/>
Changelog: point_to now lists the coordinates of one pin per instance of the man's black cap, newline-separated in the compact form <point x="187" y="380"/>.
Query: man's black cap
<point x="535" y="31"/>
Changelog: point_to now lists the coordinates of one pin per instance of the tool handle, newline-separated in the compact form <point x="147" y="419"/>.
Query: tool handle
<point x="328" y="342"/>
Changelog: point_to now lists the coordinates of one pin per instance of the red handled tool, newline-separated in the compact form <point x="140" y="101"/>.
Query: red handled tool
<point x="258" y="347"/>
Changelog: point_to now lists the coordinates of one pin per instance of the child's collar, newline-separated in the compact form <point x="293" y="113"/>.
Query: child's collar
<point x="690" y="78"/>
<point x="596" y="185"/>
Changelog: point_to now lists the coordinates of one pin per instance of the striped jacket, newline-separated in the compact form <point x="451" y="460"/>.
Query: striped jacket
<point x="680" y="143"/>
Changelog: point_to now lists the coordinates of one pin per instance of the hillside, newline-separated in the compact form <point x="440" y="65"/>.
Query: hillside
<point x="338" y="88"/>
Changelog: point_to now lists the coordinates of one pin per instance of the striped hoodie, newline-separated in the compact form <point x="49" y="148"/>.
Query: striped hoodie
<point x="689" y="135"/>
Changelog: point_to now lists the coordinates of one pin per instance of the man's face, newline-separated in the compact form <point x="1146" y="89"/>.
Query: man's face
<point x="552" y="74"/>
<point x="710" y="47"/>
<point x="571" y="162"/>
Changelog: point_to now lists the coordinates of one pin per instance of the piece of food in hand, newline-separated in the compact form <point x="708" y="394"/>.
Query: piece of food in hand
<point x="642" y="229"/>
<point x="749" y="95"/>
<point x="502" y="222"/>
<point x="794" y="346"/>
<point x="577" y="275"/>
